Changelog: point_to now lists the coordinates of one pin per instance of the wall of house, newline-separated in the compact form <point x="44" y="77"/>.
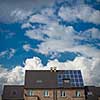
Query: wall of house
<point x="0" y="97"/>
<point x="31" y="98"/>
<point x="39" y="94"/>
<point x="70" y="95"/>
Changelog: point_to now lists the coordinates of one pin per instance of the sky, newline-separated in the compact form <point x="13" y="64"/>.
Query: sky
<point x="39" y="34"/>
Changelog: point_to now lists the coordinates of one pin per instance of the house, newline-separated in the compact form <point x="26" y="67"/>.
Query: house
<point x="13" y="92"/>
<point x="48" y="85"/>
<point x="92" y="93"/>
<point x="54" y="85"/>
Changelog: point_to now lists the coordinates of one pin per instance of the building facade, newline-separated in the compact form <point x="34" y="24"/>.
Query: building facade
<point x="54" y="85"/>
<point x="92" y="93"/>
<point x="49" y="85"/>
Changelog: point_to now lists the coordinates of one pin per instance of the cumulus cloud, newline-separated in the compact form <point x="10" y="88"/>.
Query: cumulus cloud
<point x="19" y="10"/>
<point x="93" y="32"/>
<point x="82" y="12"/>
<point x="34" y="34"/>
<point x="60" y="38"/>
<point x="88" y="67"/>
<point x="13" y="76"/>
<point x="19" y="14"/>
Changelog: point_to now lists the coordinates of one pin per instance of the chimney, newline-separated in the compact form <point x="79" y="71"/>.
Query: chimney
<point x="53" y="69"/>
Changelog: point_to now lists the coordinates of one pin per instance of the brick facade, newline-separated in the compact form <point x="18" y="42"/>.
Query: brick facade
<point x="38" y="94"/>
<point x="55" y="94"/>
<point x="71" y="94"/>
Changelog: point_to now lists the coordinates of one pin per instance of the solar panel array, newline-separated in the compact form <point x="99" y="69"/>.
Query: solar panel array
<point x="74" y="76"/>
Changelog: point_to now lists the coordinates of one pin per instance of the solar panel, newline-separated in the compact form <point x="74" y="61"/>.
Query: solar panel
<point x="74" y="76"/>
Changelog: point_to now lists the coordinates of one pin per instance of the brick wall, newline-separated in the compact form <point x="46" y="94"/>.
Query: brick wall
<point x="70" y="95"/>
<point x="39" y="94"/>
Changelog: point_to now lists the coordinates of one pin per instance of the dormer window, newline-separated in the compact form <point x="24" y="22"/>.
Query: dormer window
<point x="67" y="81"/>
<point x="90" y="93"/>
<point x="39" y="81"/>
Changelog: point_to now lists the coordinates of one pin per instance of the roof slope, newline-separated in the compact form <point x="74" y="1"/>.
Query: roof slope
<point x="48" y="79"/>
<point x="13" y="92"/>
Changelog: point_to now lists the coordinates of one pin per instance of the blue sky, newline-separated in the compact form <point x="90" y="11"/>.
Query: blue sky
<point x="60" y="32"/>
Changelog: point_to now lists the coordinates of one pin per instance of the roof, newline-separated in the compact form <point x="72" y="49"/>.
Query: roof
<point x="40" y="79"/>
<point x="13" y="92"/>
<point x="95" y="92"/>
<point x="47" y="79"/>
<point x="98" y="91"/>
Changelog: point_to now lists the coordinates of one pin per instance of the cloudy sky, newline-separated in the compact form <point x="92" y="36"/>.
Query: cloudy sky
<point x="39" y="34"/>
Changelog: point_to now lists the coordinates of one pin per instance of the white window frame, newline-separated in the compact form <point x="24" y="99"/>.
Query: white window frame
<point x="78" y="93"/>
<point x="30" y="93"/>
<point x="63" y="93"/>
<point x="90" y="93"/>
<point x="46" y="93"/>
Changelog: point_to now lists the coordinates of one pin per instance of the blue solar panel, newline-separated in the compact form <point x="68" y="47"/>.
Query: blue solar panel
<point x="74" y="76"/>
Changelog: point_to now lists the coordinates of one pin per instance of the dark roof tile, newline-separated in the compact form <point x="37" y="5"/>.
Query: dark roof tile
<point x="13" y="92"/>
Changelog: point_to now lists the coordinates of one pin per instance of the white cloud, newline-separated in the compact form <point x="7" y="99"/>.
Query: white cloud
<point x="3" y="53"/>
<point x="24" y="7"/>
<point x="19" y="14"/>
<point x="16" y="75"/>
<point x="61" y="46"/>
<point x="94" y="33"/>
<point x="26" y="25"/>
<point x="88" y="67"/>
<point x="10" y="53"/>
<point x="33" y="64"/>
<point x="34" y="34"/>
<point x="46" y="16"/>
<point x="39" y="19"/>
<point x="13" y="76"/>
<point x="62" y="38"/>
<point x="82" y="12"/>
<point x="27" y="47"/>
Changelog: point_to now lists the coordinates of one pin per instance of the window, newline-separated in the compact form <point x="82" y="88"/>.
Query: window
<point x="14" y="93"/>
<point x="63" y="93"/>
<point x="78" y="94"/>
<point x="30" y="93"/>
<point x="90" y="93"/>
<point x="66" y="81"/>
<point x="46" y="93"/>
<point x="39" y="81"/>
